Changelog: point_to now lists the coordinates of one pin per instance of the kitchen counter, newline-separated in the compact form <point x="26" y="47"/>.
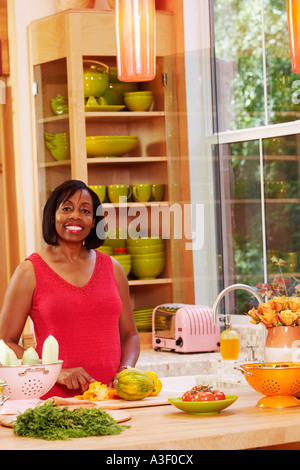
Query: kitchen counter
<point x="241" y="426"/>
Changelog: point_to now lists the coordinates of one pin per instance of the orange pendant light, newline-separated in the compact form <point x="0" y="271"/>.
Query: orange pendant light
<point x="293" y="12"/>
<point x="136" y="40"/>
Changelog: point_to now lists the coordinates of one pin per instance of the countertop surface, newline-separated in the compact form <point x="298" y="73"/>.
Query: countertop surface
<point x="241" y="426"/>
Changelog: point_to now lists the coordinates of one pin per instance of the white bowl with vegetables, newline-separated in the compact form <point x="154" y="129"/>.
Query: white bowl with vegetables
<point x="30" y="377"/>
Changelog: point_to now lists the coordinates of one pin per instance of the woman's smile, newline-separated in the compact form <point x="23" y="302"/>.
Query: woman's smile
<point x="74" y="228"/>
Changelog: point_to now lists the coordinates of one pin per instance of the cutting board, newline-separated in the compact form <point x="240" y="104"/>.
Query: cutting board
<point x="116" y="404"/>
<point x="118" y="415"/>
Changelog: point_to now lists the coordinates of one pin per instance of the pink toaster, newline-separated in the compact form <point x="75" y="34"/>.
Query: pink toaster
<point x="184" y="328"/>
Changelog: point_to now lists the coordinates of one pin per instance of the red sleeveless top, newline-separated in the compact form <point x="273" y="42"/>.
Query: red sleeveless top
<point x="84" y="320"/>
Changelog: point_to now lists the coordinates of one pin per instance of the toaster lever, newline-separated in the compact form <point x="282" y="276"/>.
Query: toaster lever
<point x="179" y="342"/>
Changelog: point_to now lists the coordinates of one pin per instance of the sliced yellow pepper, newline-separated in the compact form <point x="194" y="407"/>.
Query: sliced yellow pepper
<point x="157" y="382"/>
<point x="95" y="392"/>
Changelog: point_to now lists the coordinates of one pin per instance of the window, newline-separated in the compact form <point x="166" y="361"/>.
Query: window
<point x="257" y="97"/>
<point x="255" y="83"/>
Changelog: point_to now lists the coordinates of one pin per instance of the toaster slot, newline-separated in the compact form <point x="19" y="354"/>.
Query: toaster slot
<point x="165" y="324"/>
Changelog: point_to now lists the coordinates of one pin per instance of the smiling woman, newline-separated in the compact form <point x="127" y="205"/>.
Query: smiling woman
<point x="62" y="204"/>
<point x="74" y="293"/>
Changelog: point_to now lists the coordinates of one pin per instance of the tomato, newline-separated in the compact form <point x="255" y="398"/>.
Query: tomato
<point x="203" y="393"/>
<point x="204" y="396"/>
<point x="219" y="395"/>
<point x="194" y="395"/>
<point x="188" y="396"/>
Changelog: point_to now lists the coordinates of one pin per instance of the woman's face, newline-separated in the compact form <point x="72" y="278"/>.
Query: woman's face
<point x="74" y="217"/>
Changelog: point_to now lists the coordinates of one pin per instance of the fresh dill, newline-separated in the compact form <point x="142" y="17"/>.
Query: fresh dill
<point x="51" y="422"/>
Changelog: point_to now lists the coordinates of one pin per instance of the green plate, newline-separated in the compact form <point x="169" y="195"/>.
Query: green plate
<point x="203" y="407"/>
<point x="104" y="108"/>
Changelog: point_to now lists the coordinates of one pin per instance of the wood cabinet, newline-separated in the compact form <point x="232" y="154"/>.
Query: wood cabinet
<point x="59" y="45"/>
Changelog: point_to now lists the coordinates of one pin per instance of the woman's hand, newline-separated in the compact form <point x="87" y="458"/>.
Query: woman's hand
<point x="75" y="378"/>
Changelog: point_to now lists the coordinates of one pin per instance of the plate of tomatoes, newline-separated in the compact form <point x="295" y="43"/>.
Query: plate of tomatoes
<point x="204" y="400"/>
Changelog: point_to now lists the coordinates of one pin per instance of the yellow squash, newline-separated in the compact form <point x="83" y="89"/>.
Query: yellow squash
<point x="133" y="384"/>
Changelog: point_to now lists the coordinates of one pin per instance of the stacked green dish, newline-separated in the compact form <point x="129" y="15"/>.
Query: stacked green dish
<point x="125" y="262"/>
<point x="143" y="319"/>
<point x="106" y="249"/>
<point x="109" y="145"/>
<point x="116" y="238"/>
<point x="148" y="257"/>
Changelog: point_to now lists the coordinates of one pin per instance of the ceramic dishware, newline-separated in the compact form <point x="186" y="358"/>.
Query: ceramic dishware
<point x="116" y="238"/>
<point x="143" y="250"/>
<point x="147" y="268"/>
<point x="138" y="100"/>
<point x="100" y="190"/>
<point x="145" y="241"/>
<point x="141" y="192"/>
<point x="59" y="145"/>
<point x="157" y="192"/>
<point x="159" y="255"/>
<point x="110" y="146"/>
<point x="114" y="94"/>
<point x="109" y="250"/>
<point x="119" y="192"/>
<point x="203" y="407"/>
<point x="60" y="105"/>
<point x="95" y="78"/>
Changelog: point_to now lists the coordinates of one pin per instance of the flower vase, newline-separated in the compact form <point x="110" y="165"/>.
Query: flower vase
<point x="282" y="344"/>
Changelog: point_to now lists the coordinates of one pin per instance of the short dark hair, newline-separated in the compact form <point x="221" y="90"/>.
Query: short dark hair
<point x="61" y="194"/>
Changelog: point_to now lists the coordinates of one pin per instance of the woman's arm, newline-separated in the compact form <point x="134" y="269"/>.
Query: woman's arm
<point x="17" y="305"/>
<point x="130" y="342"/>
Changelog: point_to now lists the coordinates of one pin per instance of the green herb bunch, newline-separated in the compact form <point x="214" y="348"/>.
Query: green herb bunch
<point x="51" y="422"/>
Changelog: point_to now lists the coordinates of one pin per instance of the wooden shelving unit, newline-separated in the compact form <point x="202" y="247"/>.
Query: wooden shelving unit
<point x="58" y="46"/>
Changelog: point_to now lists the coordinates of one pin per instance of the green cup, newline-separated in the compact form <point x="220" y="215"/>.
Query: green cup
<point x="116" y="192"/>
<point x="157" y="192"/>
<point x="100" y="190"/>
<point x="141" y="192"/>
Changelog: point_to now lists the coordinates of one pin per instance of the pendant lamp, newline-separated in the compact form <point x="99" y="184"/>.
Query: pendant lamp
<point x="136" y="40"/>
<point x="293" y="12"/>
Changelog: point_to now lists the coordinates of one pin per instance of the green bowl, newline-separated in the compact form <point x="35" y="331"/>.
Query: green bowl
<point x="124" y="257"/>
<point x="137" y="101"/>
<point x="146" y="250"/>
<point x="145" y="241"/>
<point x="147" y="268"/>
<point x="138" y="93"/>
<point x="127" y="268"/>
<point x="115" y="243"/>
<point x="109" y="145"/>
<point x="203" y="407"/>
<point x="159" y="255"/>
<point x="109" y="250"/>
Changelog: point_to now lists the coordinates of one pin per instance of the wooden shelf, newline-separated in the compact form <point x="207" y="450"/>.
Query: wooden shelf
<point x="123" y="115"/>
<point x="122" y="160"/>
<point x="54" y="164"/>
<point x="108" y="161"/>
<point x="107" y="116"/>
<point x="149" y="282"/>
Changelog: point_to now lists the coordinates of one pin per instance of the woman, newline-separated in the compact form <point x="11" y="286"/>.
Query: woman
<point x="77" y="294"/>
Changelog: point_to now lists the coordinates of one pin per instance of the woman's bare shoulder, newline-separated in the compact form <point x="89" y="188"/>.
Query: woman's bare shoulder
<point x="24" y="272"/>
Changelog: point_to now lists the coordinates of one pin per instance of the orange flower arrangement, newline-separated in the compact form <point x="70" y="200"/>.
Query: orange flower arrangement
<point x="280" y="310"/>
